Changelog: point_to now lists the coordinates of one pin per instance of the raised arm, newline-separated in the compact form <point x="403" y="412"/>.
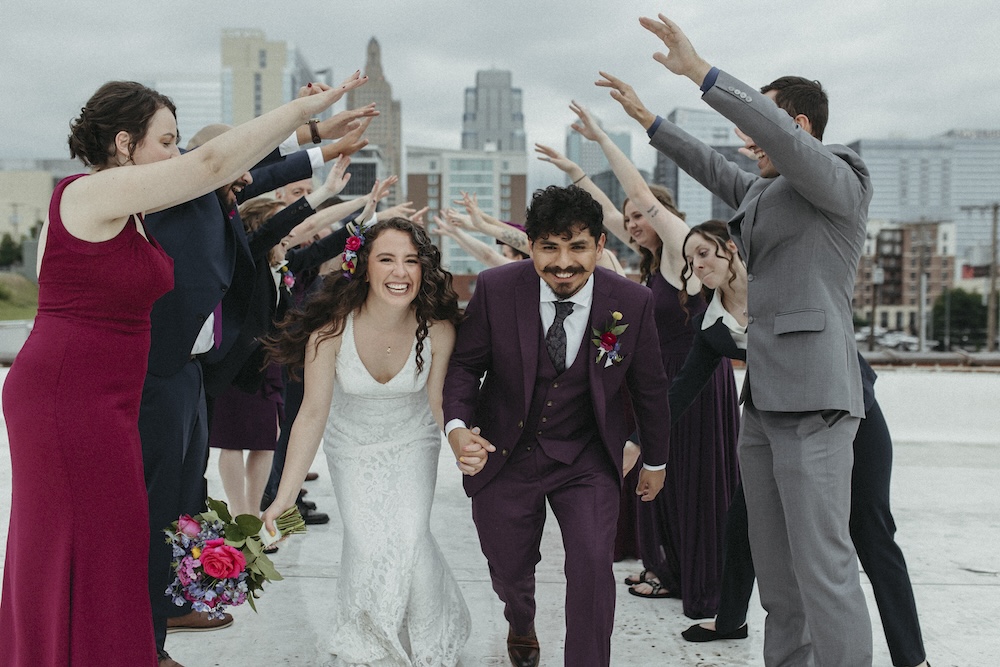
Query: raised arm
<point x="668" y="226"/>
<point x="490" y="226"/>
<point x="92" y="205"/>
<point x="481" y="251"/>
<point x="612" y="216"/>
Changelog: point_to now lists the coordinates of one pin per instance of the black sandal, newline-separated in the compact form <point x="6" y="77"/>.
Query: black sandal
<point x="655" y="588"/>
<point x="629" y="581"/>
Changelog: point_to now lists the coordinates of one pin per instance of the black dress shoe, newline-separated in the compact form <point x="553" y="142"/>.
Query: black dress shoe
<point x="696" y="633"/>
<point x="522" y="649"/>
<point x="312" y="517"/>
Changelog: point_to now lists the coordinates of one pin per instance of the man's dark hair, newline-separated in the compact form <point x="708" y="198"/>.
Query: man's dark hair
<point x="797" y="95"/>
<point x="561" y="211"/>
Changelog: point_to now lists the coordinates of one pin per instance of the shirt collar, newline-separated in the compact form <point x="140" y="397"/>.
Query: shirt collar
<point x="582" y="298"/>
<point x="716" y="311"/>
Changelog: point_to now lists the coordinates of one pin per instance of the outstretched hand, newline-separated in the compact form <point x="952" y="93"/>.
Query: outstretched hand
<point x="625" y="95"/>
<point x="338" y="177"/>
<point x="681" y="58"/>
<point x="586" y="125"/>
<point x="320" y="97"/>
<point x="559" y="160"/>
<point x="340" y="124"/>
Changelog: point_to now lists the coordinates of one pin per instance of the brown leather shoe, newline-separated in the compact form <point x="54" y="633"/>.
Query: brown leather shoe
<point x="198" y="621"/>
<point x="523" y="649"/>
<point x="312" y="476"/>
<point x="164" y="660"/>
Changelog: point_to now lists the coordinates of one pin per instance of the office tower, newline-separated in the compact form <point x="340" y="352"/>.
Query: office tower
<point x="589" y="155"/>
<point x="385" y="131"/>
<point x="198" y="101"/>
<point x="493" y="118"/>
<point x="436" y="177"/>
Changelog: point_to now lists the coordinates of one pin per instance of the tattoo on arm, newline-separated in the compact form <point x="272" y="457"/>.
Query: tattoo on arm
<point x="652" y="211"/>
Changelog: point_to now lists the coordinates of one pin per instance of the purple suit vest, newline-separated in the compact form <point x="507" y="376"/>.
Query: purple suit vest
<point x="561" y="417"/>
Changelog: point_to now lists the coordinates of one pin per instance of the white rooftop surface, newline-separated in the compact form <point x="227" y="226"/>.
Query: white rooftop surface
<point x="946" y="430"/>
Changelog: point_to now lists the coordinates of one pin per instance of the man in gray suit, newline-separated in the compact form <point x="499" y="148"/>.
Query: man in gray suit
<point x="800" y="227"/>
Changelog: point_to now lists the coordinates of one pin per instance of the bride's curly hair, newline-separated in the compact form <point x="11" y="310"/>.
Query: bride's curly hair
<point x="327" y="310"/>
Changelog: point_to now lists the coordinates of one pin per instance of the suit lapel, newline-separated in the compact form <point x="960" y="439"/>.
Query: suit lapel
<point x="527" y="295"/>
<point x="600" y="311"/>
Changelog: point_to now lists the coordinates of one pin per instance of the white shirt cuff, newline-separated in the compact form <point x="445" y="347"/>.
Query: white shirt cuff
<point x="289" y="145"/>
<point x="452" y="425"/>
<point x="315" y="157"/>
<point x="654" y="468"/>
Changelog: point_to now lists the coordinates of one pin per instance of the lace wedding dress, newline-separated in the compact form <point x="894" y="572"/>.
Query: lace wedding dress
<point x="382" y="446"/>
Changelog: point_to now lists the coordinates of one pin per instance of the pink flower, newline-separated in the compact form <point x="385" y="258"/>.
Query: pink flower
<point x="188" y="526"/>
<point x="289" y="280"/>
<point x="608" y="340"/>
<point x="353" y="243"/>
<point x="221" y="560"/>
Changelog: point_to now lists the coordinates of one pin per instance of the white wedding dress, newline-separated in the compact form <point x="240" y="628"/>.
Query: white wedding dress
<point x="382" y="445"/>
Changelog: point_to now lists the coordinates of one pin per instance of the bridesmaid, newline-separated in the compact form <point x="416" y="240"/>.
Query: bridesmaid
<point x="74" y="594"/>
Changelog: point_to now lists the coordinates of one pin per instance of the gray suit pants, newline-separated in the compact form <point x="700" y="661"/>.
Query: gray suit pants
<point x="796" y="469"/>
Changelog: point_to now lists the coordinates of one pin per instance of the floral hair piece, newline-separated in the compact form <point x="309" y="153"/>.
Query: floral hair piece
<point x="353" y="245"/>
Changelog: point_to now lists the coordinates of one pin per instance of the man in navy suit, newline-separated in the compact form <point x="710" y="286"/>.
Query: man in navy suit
<point x="552" y="415"/>
<point x="193" y="328"/>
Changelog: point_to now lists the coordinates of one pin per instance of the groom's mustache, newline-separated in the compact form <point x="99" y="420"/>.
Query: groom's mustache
<point x="556" y="269"/>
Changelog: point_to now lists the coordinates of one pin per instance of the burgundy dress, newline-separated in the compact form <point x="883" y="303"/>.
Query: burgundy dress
<point x="75" y="586"/>
<point x="681" y="532"/>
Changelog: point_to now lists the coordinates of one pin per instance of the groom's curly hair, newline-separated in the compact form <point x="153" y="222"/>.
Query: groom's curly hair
<point x="560" y="211"/>
<point x="327" y="310"/>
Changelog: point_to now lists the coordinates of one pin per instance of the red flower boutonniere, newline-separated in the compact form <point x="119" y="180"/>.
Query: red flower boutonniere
<point x="287" y="277"/>
<point x="607" y="341"/>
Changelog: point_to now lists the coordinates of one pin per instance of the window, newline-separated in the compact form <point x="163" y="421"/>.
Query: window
<point x="432" y="204"/>
<point x="504" y="179"/>
<point x="432" y="179"/>
<point x="433" y="191"/>
<point x="262" y="58"/>
<point x="258" y="95"/>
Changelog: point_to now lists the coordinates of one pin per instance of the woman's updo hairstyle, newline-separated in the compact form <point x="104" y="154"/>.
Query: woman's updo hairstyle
<point x="116" y="106"/>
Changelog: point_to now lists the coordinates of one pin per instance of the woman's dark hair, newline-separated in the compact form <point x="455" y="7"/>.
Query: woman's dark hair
<point x="717" y="232"/>
<point x="339" y="296"/>
<point x="255" y="213"/>
<point x="649" y="262"/>
<point x="116" y="106"/>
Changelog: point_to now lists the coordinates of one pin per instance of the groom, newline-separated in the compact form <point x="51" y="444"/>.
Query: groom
<point x="552" y="416"/>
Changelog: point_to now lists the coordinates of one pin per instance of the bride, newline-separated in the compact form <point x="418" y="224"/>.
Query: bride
<point x="374" y="345"/>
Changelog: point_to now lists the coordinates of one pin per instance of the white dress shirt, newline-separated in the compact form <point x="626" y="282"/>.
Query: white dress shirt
<point x="715" y="312"/>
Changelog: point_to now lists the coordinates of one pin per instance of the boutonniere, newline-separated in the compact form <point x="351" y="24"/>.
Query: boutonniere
<point x="287" y="277"/>
<point x="607" y="341"/>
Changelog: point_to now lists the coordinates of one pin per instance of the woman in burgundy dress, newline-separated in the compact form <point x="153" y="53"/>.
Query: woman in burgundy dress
<point x="74" y="589"/>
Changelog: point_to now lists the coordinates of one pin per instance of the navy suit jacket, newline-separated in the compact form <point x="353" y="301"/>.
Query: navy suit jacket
<point x="212" y="263"/>
<point x="500" y="337"/>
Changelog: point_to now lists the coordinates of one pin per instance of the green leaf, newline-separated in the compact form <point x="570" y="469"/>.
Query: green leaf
<point x="249" y="524"/>
<point x="234" y="534"/>
<point x="619" y="330"/>
<point x="220" y="508"/>
<point x="266" y="567"/>
<point x="596" y="332"/>
<point x="252" y="605"/>
<point x="254" y="545"/>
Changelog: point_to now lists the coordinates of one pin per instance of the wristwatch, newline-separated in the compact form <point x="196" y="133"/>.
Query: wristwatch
<point x="314" y="130"/>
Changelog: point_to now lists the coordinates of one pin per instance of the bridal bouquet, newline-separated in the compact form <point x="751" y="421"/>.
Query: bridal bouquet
<point x="219" y="560"/>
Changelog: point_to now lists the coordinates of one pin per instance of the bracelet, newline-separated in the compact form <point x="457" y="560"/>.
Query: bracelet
<point x="580" y="179"/>
<point x="314" y="130"/>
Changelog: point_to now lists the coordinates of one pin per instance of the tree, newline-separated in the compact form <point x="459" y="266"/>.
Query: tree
<point x="967" y="321"/>
<point x="10" y="250"/>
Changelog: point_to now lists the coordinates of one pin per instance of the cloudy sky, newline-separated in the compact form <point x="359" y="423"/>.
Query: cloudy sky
<point x="911" y="69"/>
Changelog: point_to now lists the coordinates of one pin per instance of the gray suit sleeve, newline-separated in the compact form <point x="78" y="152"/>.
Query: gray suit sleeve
<point x="827" y="180"/>
<point x="722" y="177"/>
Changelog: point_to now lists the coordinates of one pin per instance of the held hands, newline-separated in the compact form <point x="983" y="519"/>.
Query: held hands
<point x="650" y="483"/>
<point x="471" y="449"/>
<point x="623" y="93"/>
<point x="681" y="58"/>
<point x="559" y="160"/>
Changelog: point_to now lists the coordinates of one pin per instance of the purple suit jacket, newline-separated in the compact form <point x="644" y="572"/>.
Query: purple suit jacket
<point x="500" y="338"/>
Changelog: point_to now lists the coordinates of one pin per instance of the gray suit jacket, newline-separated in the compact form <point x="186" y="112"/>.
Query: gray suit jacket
<point x="801" y="235"/>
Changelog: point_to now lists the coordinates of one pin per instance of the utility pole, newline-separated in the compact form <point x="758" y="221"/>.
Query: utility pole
<point x="878" y="277"/>
<point x="991" y="304"/>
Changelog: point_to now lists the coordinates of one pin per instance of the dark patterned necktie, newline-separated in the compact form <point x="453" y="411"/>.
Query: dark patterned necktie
<point x="555" y="337"/>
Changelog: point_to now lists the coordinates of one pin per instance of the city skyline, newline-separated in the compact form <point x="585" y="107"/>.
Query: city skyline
<point x="914" y="73"/>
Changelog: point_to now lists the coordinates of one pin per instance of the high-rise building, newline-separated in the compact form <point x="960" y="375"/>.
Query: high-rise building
<point x="932" y="179"/>
<point x="692" y="198"/>
<point x="589" y="155"/>
<point x="259" y="75"/>
<point x="493" y="118"/>
<point x="436" y="177"/>
<point x="198" y="101"/>
<point x="385" y="131"/>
